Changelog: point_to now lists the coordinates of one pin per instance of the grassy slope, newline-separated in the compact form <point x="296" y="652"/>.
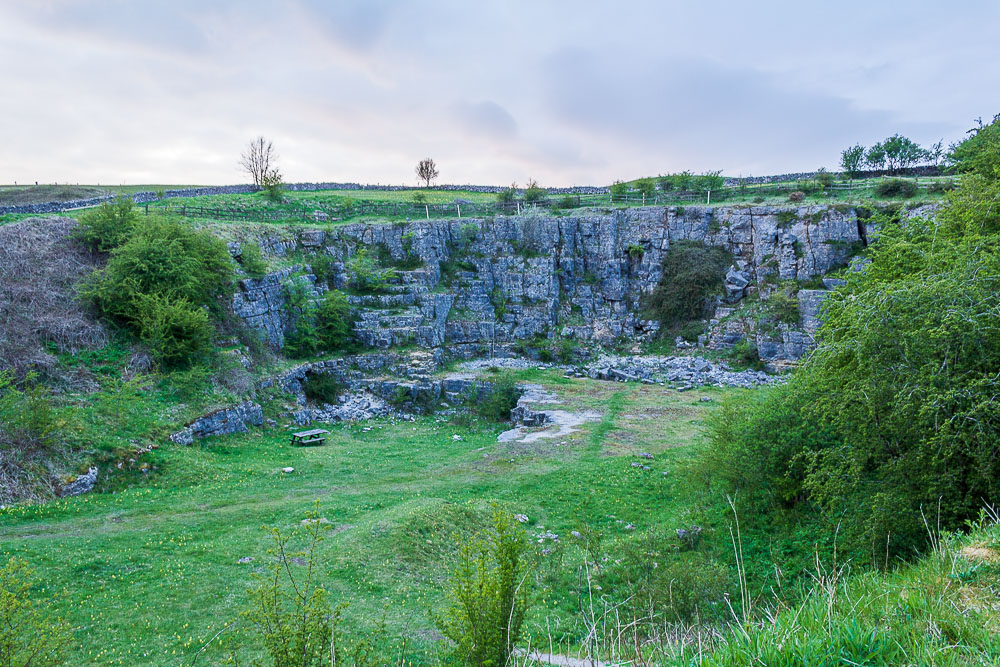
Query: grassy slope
<point x="147" y="574"/>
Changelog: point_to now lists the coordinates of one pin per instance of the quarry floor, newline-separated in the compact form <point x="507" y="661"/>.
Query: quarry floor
<point x="149" y="574"/>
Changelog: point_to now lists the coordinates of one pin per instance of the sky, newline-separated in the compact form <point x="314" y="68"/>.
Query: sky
<point x="566" y="93"/>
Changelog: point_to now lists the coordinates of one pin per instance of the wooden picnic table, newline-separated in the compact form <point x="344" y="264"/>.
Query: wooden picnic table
<point x="316" y="436"/>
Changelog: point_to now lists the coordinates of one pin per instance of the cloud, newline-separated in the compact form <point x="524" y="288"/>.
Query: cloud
<point x="113" y="90"/>
<point x="486" y="119"/>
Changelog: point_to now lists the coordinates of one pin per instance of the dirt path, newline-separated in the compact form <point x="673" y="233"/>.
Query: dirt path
<point x="564" y="660"/>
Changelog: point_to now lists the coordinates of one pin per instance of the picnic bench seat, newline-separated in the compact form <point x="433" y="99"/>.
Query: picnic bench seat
<point x="316" y="436"/>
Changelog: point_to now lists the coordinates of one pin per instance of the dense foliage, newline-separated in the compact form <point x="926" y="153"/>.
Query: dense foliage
<point x="896" y="415"/>
<point x="979" y="153"/>
<point x="159" y="284"/>
<point x="692" y="276"/>
<point x="327" y="327"/>
<point x="109" y="225"/>
<point x="28" y="636"/>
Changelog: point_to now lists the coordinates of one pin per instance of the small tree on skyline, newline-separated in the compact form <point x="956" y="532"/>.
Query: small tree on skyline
<point x="426" y="171"/>
<point x="259" y="160"/>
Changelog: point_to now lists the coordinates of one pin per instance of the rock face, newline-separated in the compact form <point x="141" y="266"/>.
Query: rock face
<point x="236" y="419"/>
<point x="482" y="285"/>
<point x="82" y="484"/>
<point x="262" y="303"/>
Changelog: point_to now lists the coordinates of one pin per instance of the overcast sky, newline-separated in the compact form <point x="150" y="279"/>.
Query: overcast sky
<point x="564" y="92"/>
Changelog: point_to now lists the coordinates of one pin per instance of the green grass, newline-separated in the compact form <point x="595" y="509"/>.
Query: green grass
<point x="147" y="574"/>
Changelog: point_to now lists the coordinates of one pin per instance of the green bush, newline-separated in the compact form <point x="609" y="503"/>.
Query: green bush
<point x="646" y="186"/>
<point x="896" y="187"/>
<point x="692" y="274"/>
<point x="619" y="189"/>
<point x="27" y="418"/>
<point x="367" y="275"/>
<point x="289" y="610"/>
<point x="893" y="414"/>
<point x="328" y="327"/>
<point x="158" y="285"/>
<point x="178" y="333"/>
<point x="28" y="637"/>
<point x="335" y="321"/>
<point x="323" y="387"/>
<point x="108" y="226"/>
<point x="322" y="267"/>
<point x="508" y="196"/>
<point x="490" y="594"/>
<point x="568" y="202"/>
<point x="744" y="354"/>
<point x="979" y="153"/>
<point x="783" y="304"/>
<point x="503" y="397"/>
<point x="252" y="260"/>
<point x="533" y="193"/>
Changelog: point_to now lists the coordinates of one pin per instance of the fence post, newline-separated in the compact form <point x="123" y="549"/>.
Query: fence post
<point x="519" y="208"/>
<point x="427" y="211"/>
<point x="708" y="197"/>
<point x="459" y="207"/>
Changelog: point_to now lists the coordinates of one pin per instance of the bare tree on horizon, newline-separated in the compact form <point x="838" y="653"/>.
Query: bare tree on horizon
<point x="427" y="171"/>
<point x="257" y="160"/>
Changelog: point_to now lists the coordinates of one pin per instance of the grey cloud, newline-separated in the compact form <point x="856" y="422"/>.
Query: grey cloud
<point x="486" y="118"/>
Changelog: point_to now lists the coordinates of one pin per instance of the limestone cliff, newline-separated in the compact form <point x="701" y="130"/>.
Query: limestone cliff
<point x="486" y="283"/>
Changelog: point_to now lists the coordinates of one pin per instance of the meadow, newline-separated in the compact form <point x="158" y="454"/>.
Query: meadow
<point x="150" y="573"/>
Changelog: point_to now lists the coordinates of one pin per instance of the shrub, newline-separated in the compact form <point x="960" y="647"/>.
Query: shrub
<point x="500" y="400"/>
<point x="158" y="283"/>
<point x="177" y="332"/>
<point x="335" y="321"/>
<point x="619" y="189"/>
<point x="823" y="178"/>
<point x="896" y="187"/>
<point x="273" y="187"/>
<point x="784" y="305"/>
<point x="28" y="638"/>
<point x="290" y="612"/>
<point x="366" y="275"/>
<point x="692" y="274"/>
<point x="978" y="153"/>
<point x="867" y="434"/>
<point x="508" y="196"/>
<point x="323" y="387"/>
<point x="108" y="226"/>
<point x="680" y="588"/>
<point x="533" y="193"/>
<point x="646" y="186"/>
<point x="568" y="201"/>
<point x="252" y="260"/>
<point x="322" y="267"/>
<point x="796" y="196"/>
<point x="490" y="594"/>
<point x="328" y="327"/>
<point x="744" y="353"/>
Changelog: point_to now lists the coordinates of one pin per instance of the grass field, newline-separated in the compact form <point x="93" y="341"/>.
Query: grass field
<point x="148" y="574"/>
